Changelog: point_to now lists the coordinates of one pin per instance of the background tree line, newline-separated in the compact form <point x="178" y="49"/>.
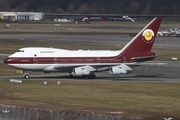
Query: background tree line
<point x="94" y="6"/>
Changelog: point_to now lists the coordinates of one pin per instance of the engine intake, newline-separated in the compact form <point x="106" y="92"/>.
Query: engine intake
<point x="80" y="72"/>
<point x="117" y="71"/>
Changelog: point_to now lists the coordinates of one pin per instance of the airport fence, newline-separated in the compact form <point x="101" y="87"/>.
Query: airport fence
<point x="9" y="112"/>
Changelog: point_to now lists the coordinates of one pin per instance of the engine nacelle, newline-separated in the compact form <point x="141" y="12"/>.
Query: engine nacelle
<point x="117" y="71"/>
<point x="80" y="72"/>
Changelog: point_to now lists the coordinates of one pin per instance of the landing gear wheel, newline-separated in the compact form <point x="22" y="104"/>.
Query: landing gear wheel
<point x="26" y="76"/>
<point x="93" y="76"/>
<point x="70" y="75"/>
<point x="86" y="77"/>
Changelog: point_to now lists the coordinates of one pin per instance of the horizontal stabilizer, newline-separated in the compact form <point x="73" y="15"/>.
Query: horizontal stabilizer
<point x="145" y="58"/>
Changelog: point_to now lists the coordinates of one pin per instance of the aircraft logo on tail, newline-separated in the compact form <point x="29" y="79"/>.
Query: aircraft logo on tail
<point x="148" y="35"/>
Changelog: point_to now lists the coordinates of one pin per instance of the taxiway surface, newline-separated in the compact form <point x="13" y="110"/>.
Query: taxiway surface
<point x="148" y="73"/>
<point x="120" y="39"/>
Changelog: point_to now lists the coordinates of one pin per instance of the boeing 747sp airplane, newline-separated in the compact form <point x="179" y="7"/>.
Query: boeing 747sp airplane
<point x="86" y="63"/>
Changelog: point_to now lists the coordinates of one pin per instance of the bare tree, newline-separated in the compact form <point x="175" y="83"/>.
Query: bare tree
<point x="94" y="8"/>
<point x="59" y="10"/>
<point x="71" y="7"/>
<point x="25" y="6"/>
<point x="146" y="9"/>
<point x="175" y="9"/>
<point x="116" y="8"/>
<point x="164" y="10"/>
<point x="134" y="7"/>
<point x="83" y="8"/>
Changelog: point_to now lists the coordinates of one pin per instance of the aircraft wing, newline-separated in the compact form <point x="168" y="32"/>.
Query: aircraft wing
<point x="122" y="68"/>
<point x="99" y="68"/>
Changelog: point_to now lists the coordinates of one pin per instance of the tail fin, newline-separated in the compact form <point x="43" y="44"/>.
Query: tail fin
<point x="139" y="48"/>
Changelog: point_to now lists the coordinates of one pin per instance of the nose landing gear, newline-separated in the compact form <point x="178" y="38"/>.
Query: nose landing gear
<point x="26" y="75"/>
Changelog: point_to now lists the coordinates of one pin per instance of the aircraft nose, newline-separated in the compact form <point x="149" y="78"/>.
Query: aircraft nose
<point x="7" y="60"/>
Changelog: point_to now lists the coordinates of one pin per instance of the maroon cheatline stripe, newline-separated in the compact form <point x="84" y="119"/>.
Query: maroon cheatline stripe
<point x="64" y="60"/>
<point x="126" y="57"/>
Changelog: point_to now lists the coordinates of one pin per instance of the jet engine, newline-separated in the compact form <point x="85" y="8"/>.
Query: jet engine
<point x="80" y="72"/>
<point x="117" y="71"/>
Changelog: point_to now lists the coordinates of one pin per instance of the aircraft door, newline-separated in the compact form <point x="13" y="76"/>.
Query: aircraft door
<point x="35" y="59"/>
<point x="55" y="60"/>
<point x="124" y="59"/>
<point x="98" y="60"/>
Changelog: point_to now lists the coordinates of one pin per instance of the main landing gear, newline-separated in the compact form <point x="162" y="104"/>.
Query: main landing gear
<point x="26" y="75"/>
<point x="93" y="76"/>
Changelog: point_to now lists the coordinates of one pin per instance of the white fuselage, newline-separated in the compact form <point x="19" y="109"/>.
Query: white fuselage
<point x="51" y="59"/>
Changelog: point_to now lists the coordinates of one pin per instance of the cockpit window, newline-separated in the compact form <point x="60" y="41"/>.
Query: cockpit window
<point x="20" y="51"/>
